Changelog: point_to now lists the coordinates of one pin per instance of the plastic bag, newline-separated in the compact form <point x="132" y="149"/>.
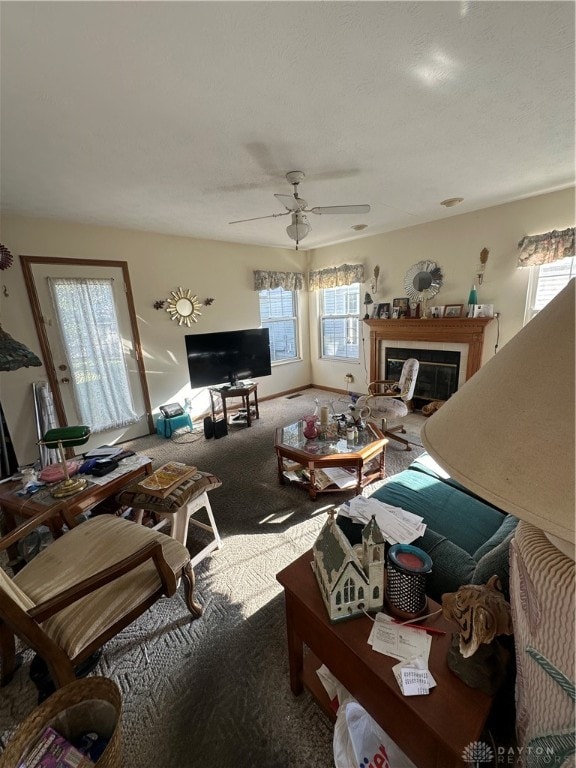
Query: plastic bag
<point x="359" y="740"/>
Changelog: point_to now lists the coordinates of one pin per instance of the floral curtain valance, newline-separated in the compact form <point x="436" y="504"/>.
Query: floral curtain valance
<point x="268" y="280"/>
<point x="546" y="248"/>
<point x="332" y="277"/>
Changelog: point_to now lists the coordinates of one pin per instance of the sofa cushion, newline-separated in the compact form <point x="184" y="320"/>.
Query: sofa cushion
<point x="463" y="519"/>
<point x="425" y="463"/>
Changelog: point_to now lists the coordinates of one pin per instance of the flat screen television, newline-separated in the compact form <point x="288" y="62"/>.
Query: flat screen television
<point x="227" y="357"/>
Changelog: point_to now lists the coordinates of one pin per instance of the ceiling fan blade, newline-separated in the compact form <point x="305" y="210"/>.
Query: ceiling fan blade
<point x="289" y="202"/>
<point x="271" y="216"/>
<point x="340" y="209"/>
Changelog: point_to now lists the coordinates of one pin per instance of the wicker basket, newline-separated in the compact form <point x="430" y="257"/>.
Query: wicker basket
<point x="83" y="698"/>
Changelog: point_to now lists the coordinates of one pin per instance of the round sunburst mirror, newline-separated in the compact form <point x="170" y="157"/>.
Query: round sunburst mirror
<point x="184" y="307"/>
<point x="423" y="280"/>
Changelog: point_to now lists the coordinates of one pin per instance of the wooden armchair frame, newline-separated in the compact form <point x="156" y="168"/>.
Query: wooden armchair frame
<point x="26" y="624"/>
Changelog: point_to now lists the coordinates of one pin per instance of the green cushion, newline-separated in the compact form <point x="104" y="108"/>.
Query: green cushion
<point x="134" y="496"/>
<point x="464" y="520"/>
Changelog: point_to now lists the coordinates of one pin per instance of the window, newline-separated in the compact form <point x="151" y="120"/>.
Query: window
<point x="545" y="282"/>
<point x="278" y="314"/>
<point x="349" y="591"/>
<point x="340" y="321"/>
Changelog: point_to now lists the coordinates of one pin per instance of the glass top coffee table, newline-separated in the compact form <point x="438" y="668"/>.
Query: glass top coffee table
<point x="311" y="464"/>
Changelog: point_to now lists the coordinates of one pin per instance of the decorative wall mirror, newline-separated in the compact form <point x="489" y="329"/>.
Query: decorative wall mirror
<point x="184" y="307"/>
<point x="423" y="280"/>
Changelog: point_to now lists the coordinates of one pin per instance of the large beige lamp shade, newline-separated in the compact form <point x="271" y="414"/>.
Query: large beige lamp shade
<point x="508" y="433"/>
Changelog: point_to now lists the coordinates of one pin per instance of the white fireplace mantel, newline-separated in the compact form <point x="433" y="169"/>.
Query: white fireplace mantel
<point x="444" y="330"/>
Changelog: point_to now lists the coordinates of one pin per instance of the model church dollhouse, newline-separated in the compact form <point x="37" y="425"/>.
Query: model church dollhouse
<point x="351" y="579"/>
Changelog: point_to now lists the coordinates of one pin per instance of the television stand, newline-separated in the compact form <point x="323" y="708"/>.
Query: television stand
<point x="219" y="395"/>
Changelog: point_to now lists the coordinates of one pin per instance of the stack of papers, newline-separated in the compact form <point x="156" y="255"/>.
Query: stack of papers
<point x="400" y="642"/>
<point x="398" y="526"/>
<point x="411" y="647"/>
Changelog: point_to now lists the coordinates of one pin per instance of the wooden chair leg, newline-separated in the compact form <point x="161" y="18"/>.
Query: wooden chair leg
<point x="7" y="654"/>
<point x="189" y="580"/>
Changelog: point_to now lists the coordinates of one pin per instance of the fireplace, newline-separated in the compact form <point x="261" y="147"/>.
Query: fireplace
<point x="438" y="374"/>
<point x="464" y="336"/>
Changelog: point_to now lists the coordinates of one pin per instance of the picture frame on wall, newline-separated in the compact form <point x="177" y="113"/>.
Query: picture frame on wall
<point x="402" y="305"/>
<point x="384" y="310"/>
<point x="453" y="310"/>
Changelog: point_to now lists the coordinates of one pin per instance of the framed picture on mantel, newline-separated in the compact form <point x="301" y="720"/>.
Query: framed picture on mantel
<point x="453" y="310"/>
<point x="402" y="306"/>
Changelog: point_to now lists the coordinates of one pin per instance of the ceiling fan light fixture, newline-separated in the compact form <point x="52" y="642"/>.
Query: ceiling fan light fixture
<point x="299" y="227"/>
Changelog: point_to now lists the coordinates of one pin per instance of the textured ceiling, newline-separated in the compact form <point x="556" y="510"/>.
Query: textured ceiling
<point x="180" y="117"/>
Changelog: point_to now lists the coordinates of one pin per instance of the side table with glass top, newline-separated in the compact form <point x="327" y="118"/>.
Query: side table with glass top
<point x="364" y="456"/>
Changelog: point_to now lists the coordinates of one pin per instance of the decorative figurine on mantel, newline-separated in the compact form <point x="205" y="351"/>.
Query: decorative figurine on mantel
<point x="351" y="579"/>
<point x="482" y="613"/>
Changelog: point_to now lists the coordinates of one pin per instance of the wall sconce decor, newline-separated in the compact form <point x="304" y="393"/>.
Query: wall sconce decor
<point x="374" y="280"/>
<point x="482" y="265"/>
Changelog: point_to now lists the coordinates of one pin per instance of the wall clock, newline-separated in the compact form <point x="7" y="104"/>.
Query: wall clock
<point x="184" y="307"/>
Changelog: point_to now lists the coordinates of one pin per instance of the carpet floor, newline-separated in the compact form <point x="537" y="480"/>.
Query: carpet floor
<point x="215" y="691"/>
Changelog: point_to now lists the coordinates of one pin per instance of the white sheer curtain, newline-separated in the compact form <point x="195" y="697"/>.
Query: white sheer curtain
<point x="89" y="328"/>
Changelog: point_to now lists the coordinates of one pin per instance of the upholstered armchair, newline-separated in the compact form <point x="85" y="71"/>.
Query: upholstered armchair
<point x="84" y="588"/>
<point x="387" y="400"/>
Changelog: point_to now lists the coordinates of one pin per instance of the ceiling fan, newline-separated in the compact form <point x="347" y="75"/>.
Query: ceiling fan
<point x="297" y="207"/>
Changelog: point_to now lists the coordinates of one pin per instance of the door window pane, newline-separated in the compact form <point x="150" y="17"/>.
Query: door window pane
<point x="92" y="343"/>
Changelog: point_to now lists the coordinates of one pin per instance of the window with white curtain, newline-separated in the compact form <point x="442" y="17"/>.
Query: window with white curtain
<point x="92" y="342"/>
<point x="278" y="313"/>
<point x="340" y="322"/>
<point x="545" y="282"/>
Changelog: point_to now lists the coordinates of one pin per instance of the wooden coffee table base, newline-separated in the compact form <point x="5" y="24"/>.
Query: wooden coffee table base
<point x="432" y="730"/>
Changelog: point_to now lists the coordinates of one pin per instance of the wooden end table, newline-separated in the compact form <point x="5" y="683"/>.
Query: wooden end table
<point x="432" y="730"/>
<point x="290" y="444"/>
<point x="223" y="392"/>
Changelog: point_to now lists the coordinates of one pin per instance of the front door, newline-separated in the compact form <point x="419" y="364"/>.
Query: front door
<point x="62" y="349"/>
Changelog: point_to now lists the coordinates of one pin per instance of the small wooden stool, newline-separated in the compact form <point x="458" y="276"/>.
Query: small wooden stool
<point x="177" y="509"/>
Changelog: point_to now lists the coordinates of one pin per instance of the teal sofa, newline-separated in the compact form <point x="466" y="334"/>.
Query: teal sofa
<point x="467" y="538"/>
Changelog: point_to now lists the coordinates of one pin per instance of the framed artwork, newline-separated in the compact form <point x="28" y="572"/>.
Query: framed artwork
<point x="375" y="314"/>
<point x="453" y="310"/>
<point x="402" y="306"/>
<point x="395" y="313"/>
<point x="384" y="311"/>
<point x="436" y="311"/>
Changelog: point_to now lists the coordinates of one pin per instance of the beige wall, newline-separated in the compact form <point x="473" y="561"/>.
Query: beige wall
<point x="161" y="263"/>
<point x="455" y="244"/>
<point x="157" y="264"/>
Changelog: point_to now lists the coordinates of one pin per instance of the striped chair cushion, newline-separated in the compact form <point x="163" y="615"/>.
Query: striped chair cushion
<point x="94" y="545"/>
<point x="133" y="496"/>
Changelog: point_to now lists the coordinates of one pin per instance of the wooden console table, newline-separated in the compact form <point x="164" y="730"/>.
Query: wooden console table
<point x="432" y="730"/>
